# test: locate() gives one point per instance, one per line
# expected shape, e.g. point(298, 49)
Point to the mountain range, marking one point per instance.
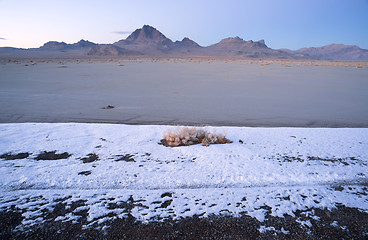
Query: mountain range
point(149, 42)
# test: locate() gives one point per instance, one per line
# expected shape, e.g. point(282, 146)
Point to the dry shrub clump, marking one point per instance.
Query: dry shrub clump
point(188, 136)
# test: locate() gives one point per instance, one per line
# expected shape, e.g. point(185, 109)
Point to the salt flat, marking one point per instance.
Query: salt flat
point(221, 93)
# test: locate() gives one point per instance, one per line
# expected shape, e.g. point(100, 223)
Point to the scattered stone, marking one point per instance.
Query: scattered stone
point(286, 198)
point(166, 204)
point(9, 156)
point(166, 194)
point(126, 158)
point(86, 173)
point(108, 107)
point(52, 155)
point(338, 188)
point(92, 157)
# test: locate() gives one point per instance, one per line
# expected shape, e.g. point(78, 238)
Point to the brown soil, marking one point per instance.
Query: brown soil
point(351, 224)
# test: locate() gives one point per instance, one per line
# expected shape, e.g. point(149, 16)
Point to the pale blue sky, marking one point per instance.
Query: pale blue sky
point(289, 24)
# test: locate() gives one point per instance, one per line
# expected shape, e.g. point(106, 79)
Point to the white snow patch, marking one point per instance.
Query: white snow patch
point(263, 229)
point(275, 171)
point(335, 224)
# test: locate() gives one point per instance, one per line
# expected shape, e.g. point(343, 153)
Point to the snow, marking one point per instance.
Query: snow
point(285, 169)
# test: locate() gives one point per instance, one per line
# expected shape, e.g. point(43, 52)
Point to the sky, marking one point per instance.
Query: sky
point(291, 24)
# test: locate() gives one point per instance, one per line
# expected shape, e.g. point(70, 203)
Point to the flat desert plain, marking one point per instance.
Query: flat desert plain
point(194, 92)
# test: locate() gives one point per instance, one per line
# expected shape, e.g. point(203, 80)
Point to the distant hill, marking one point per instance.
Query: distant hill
point(110, 50)
point(10, 50)
point(53, 45)
point(149, 42)
point(248, 49)
point(83, 44)
point(335, 52)
point(231, 43)
point(186, 43)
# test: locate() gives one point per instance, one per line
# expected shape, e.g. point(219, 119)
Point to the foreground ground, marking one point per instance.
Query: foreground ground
point(339, 223)
point(62, 181)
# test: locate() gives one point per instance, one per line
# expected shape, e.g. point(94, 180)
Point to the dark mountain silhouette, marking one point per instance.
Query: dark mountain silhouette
point(150, 42)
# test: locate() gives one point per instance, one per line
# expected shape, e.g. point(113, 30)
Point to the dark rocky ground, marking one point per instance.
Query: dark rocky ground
point(340, 223)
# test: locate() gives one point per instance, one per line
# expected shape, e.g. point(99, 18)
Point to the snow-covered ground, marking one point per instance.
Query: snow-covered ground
point(122, 170)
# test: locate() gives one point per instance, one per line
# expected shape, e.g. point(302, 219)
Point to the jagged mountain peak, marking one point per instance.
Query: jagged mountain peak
point(54, 45)
point(83, 43)
point(188, 43)
point(233, 39)
point(238, 42)
point(146, 34)
point(186, 39)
